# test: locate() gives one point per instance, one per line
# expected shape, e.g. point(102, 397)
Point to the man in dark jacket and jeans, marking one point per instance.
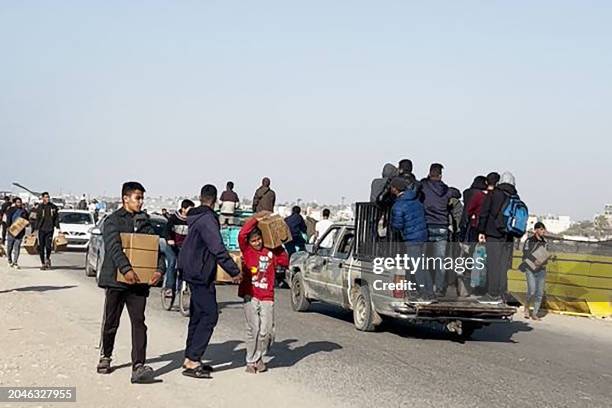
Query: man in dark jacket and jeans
point(128, 219)
point(498, 242)
point(47, 220)
point(202, 251)
point(436, 197)
point(264, 198)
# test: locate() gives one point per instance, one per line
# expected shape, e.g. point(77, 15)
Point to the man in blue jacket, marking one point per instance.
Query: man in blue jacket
point(202, 251)
point(408, 217)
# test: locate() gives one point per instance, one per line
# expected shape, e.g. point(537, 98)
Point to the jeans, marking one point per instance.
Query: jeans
point(438, 238)
point(260, 328)
point(535, 289)
point(170, 256)
point(13, 246)
point(421, 276)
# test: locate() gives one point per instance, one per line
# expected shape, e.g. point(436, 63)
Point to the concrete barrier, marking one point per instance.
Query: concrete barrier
point(576, 283)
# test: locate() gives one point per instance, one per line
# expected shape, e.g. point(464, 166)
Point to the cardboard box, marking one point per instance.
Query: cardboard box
point(541, 255)
point(2, 251)
point(60, 242)
point(142, 251)
point(274, 231)
point(224, 277)
point(18, 226)
point(30, 243)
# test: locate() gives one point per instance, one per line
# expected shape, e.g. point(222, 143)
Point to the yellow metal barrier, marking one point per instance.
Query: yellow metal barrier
point(575, 284)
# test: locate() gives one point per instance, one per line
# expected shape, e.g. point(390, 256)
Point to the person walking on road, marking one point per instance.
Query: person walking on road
point(297, 227)
point(13, 243)
point(202, 251)
point(536, 277)
point(128, 219)
point(47, 220)
point(257, 290)
point(264, 198)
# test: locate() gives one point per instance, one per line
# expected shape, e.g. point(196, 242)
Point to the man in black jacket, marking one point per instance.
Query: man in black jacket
point(128, 219)
point(491, 230)
point(47, 220)
point(202, 251)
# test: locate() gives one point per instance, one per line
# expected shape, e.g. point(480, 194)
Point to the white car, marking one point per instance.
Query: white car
point(76, 226)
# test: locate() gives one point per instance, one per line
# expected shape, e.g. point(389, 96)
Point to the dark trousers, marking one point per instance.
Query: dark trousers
point(45, 245)
point(293, 247)
point(499, 260)
point(202, 321)
point(136, 301)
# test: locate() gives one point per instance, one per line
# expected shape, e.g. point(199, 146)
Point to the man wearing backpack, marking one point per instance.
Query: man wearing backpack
point(502, 218)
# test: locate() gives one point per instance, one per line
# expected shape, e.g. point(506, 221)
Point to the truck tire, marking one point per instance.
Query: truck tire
point(299, 302)
point(363, 314)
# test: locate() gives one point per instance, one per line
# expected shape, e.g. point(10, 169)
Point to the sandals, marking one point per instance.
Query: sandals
point(199, 372)
point(104, 366)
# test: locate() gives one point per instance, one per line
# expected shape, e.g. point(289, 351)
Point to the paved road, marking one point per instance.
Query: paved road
point(320, 359)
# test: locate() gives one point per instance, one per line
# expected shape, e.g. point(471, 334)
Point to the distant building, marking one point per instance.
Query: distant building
point(608, 213)
point(555, 224)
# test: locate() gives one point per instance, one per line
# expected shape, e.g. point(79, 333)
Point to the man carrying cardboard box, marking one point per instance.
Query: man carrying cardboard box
point(202, 251)
point(17, 221)
point(128, 224)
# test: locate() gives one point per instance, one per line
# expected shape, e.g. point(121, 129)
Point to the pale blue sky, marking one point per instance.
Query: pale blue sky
point(317, 95)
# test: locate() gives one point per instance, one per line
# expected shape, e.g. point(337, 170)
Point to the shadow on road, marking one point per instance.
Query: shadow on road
point(226, 356)
point(43, 288)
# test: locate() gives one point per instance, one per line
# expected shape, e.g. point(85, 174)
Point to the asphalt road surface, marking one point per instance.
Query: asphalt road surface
point(319, 358)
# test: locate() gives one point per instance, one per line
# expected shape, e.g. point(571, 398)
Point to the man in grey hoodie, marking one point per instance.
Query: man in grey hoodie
point(379, 191)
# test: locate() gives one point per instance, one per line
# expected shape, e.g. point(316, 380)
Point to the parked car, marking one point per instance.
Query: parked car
point(95, 252)
point(342, 274)
point(75, 225)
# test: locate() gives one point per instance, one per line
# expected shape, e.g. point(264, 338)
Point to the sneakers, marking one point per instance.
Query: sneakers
point(251, 369)
point(15, 266)
point(142, 374)
point(490, 300)
point(104, 366)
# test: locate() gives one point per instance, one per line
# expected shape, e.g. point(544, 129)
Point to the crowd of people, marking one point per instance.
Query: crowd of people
point(427, 214)
point(431, 218)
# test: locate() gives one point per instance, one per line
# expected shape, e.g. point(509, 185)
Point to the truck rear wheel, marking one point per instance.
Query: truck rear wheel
point(299, 302)
point(363, 314)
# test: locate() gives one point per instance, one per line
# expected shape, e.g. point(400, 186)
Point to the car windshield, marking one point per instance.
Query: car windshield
point(75, 218)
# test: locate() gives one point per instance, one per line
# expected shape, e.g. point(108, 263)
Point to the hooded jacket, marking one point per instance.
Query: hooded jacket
point(468, 194)
point(264, 199)
point(491, 219)
point(379, 190)
point(436, 197)
point(203, 249)
point(114, 257)
point(408, 217)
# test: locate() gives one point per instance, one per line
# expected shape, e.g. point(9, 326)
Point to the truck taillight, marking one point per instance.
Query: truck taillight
point(398, 293)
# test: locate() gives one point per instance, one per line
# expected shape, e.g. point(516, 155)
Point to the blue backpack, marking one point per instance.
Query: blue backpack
point(516, 215)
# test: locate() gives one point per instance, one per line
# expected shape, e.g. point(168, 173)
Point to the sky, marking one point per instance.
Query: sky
point(317, 95)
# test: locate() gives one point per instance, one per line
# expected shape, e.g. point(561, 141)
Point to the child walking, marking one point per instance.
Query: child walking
point(257, 289)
